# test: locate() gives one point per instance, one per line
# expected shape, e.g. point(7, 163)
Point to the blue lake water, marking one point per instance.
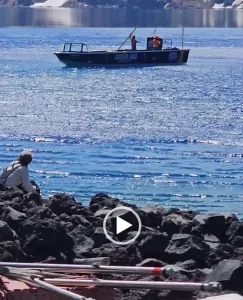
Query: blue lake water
point(171, 135)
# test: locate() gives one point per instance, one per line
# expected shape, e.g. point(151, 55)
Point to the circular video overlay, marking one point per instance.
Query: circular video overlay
point(125, 224)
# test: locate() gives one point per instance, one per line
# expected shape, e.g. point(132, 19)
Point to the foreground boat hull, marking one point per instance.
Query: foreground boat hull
point(123, 58)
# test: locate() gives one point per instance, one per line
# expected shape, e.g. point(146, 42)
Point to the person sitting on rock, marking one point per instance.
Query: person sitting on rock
point(17, 174)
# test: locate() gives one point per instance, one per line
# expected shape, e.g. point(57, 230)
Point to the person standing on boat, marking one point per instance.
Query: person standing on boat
point(134, 43)
point(157, 42)
point(17, 174)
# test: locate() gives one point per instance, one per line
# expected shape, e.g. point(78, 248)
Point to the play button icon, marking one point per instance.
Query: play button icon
point(122, 225)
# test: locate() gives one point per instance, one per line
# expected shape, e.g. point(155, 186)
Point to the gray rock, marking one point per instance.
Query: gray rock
point(175, 223)
point(187, 265)
point(184, 247)
point(6, 233)
point(153, 215)
point(215, 224)
point(119, 255)
point(154, 245)
point(103, 200)
point(62, 203)
point(151, 262)
point(13, 218)
point(237, 241)
point(101, 213)
point(99, 237)
point(229, 273)
point(211, 238)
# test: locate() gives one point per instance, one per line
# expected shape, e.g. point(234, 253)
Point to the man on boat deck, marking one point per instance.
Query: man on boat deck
point(134, 43)
point(17, 174)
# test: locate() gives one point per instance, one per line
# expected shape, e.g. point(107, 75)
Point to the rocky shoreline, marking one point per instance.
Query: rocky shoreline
point(60, 229)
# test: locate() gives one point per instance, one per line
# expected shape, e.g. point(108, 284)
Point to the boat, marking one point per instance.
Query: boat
point(77, 55)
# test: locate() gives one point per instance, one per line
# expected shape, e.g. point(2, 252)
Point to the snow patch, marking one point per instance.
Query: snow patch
point(50, 3)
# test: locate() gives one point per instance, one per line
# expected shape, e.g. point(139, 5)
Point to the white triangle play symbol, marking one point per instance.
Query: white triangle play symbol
point(121, 225)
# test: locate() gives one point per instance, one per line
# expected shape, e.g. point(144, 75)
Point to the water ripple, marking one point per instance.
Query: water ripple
point(165, 135)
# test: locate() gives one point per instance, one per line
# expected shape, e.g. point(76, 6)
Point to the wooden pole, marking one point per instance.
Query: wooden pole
point(127, 38)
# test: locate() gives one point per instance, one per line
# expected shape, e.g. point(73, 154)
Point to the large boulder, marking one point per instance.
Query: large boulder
point(79, 220)
point(10, 194)
point(13, 218)
point(153, 215)
point(13, 198)
point(42, 212)
point(119, 255)
point(5, 255)
point(6, 233)
point(229, 273)
point(237, 241)
point(13, 248)
point(154, 245)
point(235, 229)
point(218, 253)
point(175, 223)
point(189, 264)
point(102, 200)
point(45, 237)
point(32, 199)
point(83, 244)
point(62, 203)
point(215, 224)
point(184, 247)
point(99, 237)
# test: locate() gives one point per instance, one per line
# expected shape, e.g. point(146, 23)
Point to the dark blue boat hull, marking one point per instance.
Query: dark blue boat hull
point(123, 58)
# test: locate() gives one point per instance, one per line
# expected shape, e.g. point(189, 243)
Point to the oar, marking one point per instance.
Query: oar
point(127, 37)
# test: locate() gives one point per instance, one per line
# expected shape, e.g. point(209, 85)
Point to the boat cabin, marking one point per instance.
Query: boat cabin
point(151, 46)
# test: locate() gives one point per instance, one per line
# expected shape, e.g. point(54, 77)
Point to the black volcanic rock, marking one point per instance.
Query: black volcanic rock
point(215, 224)
point(103, 200)
point(151, 262)
point(235, 229)
point(99, 237)
point(229, 273)
point(6, 233)
point(183, 247)
point(13, 218)
point(62, 203)
point(153, 215)
point(119, 255)
point(41, 238)
point(61, 229)
point(175, 223)
point(154, 245)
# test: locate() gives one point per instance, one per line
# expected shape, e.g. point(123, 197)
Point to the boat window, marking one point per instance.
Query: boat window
point(66, 47)
point(167, 43)
point(76, 48)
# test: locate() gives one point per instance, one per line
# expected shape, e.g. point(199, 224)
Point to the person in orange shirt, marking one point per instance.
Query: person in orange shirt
point(134, 43)
point(157, 42)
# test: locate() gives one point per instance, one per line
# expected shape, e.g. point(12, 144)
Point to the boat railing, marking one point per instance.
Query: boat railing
point(75, 47)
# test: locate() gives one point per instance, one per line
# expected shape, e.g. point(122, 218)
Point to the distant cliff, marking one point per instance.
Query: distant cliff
point(143, 4)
